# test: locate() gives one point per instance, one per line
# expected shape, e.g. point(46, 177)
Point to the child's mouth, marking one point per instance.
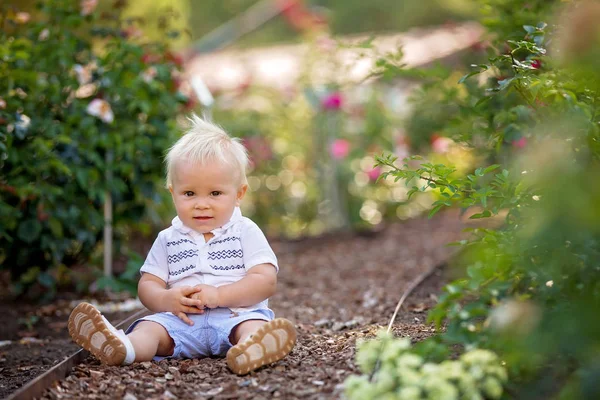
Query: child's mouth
point(202, 218)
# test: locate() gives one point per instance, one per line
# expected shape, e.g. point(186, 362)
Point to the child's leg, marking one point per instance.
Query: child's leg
point(93, 332)
point(89, 329)
point(245, 329)
point(259, 343)
point(150, 339)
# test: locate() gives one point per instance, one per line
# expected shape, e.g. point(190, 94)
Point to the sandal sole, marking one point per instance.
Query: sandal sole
point(88, 329)
point(241, 361)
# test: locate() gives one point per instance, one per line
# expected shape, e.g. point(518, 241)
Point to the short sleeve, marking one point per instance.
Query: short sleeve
point(255, 247)
point(156, 260)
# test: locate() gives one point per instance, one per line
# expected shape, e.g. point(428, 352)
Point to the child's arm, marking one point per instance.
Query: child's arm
point(259, 284)
point(156, 297)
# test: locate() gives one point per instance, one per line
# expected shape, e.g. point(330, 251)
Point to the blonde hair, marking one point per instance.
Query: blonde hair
point(206, 142)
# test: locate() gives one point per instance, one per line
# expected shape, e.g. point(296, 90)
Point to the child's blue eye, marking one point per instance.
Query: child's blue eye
point(215, 193)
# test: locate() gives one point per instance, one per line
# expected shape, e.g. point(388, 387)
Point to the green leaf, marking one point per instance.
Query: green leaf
point(491, 168)
point(434, 210)
point(29, 230)
point(484, 214)
point(55, 227)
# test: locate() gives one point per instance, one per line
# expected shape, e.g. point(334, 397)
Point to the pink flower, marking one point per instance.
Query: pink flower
point(332, 101)
point(101, 109)
point(88, 6)
point(339, 149)
point(258, 148)
point(149, 74)
point(519, 144)
point(22, 17)
point(440, 144)
point(374, 173)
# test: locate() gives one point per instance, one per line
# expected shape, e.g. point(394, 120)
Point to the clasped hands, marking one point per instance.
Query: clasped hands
point(190, 300)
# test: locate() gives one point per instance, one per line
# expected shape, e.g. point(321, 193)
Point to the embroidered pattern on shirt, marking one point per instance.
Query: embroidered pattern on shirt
point(227, 268)
point(182, 270)
point(223, 254)
point(180, 241)
point(227, 239)
point(182, 255)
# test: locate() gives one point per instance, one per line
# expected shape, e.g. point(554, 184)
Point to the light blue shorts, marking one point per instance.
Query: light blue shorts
point(209, 336)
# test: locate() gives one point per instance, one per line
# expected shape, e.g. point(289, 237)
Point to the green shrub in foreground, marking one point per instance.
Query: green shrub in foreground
point(403, 374)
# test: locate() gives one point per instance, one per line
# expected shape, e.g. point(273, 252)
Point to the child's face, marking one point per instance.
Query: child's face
point(205, 195)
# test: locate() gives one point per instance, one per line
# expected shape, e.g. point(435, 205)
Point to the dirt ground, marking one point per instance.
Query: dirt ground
point(334, 290)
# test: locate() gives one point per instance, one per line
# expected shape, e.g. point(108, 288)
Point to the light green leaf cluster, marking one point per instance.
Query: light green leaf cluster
point(393, 371)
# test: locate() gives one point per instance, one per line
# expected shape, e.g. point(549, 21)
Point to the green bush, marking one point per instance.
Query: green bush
point(531, 288)
point(85, 108)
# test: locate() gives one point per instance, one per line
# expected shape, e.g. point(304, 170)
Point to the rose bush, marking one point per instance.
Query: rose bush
point(84, 110)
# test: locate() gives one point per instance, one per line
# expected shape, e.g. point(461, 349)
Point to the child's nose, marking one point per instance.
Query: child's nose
point(201, 204)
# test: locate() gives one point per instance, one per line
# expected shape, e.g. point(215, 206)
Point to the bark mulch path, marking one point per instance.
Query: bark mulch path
point(335, 290)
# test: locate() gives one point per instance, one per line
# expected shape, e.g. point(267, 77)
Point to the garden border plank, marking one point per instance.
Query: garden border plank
point(37, 386)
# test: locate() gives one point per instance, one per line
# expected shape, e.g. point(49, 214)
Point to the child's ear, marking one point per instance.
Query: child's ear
point(241, 193)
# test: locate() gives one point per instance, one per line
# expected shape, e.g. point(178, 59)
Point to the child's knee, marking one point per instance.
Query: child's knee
point(151, 329)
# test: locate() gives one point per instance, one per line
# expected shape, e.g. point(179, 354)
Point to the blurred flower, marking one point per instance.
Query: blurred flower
point(2, 104)
point(339, 149)
point(41, 214)
point(101, 109)
point(332, 101)
point(258, 148)
point(19, 92)
point(519, 144)
point(175, 58)
point(480, 46)
point(537, 64)
point(441, 144)
point(84, 74)
point(244, 85)
point(85, 91)
point(402, 148)
point(550, 283)
point(88, 6)
point(44, 34)
point(374, 173)
point(149, 74)
point(132, 32)
point(150, 58)
point(288, 93)
point(23, 123)
point(191, 103)
point(514, 316)
point(325, 43)
point(22, 17)
point(300, 17)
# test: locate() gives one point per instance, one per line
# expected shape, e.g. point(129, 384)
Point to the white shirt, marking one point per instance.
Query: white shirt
point(181, 257)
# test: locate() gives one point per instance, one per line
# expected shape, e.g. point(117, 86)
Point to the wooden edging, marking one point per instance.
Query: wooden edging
point(36, 387)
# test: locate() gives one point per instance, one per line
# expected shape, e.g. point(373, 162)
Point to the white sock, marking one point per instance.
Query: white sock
point(130, 355)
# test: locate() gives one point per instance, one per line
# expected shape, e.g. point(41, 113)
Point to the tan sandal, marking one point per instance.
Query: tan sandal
point(89, 329)
point(270, 343)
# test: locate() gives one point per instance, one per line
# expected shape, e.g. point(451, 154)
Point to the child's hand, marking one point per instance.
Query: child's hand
point(207, 295)
point(178, 301)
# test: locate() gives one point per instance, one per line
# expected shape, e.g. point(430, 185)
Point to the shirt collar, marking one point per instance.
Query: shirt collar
point(236, 216)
